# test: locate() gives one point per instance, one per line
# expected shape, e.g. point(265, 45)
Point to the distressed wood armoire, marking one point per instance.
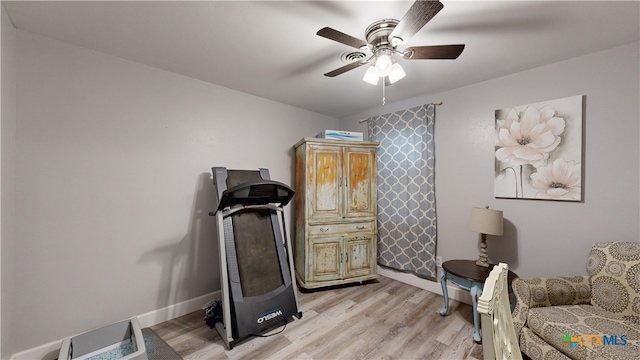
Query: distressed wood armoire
point(336, 231)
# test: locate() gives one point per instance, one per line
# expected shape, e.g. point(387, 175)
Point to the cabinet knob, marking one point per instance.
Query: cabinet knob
point(360, 227)
point(324, 229)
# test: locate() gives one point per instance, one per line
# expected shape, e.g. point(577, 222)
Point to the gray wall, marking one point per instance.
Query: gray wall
point(113, 184)
point(7, 182)
point(541, 237)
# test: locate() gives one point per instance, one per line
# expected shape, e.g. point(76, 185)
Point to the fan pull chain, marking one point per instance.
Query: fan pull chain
point(384, 99)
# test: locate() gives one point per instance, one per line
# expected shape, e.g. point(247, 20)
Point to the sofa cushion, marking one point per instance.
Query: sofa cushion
point(536, 348)
point(595, 334)
point(614, 275)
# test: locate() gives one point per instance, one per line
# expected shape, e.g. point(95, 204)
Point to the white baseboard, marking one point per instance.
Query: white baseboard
point(453, 292)
point(171, 312)
point(51, 350)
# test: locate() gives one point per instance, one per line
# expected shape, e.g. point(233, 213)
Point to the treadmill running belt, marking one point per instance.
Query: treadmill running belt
point(256, 251)
point(253, 233)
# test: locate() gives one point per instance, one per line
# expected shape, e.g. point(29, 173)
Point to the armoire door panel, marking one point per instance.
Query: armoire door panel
point(326, 259)
point(360, 174)
point(325, 175)
point(359, 256)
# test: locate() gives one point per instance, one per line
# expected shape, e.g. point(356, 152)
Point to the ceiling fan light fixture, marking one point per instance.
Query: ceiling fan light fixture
point(382, 39)
point(383, 65)
point(371, 76)
point(396, 73)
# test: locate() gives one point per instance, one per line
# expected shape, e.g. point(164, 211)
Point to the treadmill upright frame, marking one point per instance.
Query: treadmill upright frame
point(224, 227)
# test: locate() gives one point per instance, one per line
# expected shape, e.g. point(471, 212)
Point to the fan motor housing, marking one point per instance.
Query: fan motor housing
point(377, 34)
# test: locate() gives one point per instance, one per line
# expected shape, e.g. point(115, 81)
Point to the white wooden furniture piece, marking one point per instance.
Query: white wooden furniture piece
point(336, 209)
point(498, 334)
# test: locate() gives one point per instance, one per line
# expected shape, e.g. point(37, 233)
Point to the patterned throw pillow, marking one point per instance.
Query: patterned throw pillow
point(614, 274)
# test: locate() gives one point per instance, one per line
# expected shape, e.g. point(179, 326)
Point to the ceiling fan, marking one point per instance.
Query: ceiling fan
point(384, 37)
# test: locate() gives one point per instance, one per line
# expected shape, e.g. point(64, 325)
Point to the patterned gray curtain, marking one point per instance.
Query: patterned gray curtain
point(406, 193)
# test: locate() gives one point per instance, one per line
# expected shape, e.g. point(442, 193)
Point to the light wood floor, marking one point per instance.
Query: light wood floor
point(384, 319)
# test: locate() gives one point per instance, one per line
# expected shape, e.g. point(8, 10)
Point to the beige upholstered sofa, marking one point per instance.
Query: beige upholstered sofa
point(596, 316)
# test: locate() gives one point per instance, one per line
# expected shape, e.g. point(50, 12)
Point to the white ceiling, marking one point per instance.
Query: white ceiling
point(270, 48)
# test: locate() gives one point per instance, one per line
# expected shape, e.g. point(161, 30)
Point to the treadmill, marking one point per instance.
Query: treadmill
point(256, 259)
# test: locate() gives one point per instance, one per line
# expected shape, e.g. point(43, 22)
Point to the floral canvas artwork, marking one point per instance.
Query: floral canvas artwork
point(538, 150)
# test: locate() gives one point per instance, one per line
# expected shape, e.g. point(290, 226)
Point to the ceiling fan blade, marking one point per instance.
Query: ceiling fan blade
point(417, 17)
point(344, 69)
point(341, 37)
point(433, 52)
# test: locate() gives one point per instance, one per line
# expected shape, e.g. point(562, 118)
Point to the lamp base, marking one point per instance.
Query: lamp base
point(483, 260)
point(479, 262)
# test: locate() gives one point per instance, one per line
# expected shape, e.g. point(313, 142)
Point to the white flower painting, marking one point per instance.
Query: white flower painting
point(538, 151)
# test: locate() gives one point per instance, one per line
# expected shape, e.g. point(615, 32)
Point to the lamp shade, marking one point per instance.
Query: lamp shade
point(370, 76)
point(396, 73)
point(486, 221)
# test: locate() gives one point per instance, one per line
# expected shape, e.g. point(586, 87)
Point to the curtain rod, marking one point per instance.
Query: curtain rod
point(436, 103)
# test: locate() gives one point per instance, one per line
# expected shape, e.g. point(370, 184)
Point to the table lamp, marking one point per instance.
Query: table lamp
point(485, 221)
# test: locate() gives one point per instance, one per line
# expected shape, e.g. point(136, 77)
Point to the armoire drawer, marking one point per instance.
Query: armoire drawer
point(336, 229)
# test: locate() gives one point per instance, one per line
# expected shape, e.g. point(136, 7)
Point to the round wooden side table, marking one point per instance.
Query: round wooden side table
point(469, 276)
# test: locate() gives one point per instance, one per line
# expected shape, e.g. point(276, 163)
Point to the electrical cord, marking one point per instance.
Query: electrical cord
point(264, 336)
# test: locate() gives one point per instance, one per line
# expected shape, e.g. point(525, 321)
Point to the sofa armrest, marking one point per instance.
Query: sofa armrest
point(549, 291)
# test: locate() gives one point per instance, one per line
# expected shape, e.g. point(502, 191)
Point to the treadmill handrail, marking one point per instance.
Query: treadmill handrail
point(260, 192)
point(231, 211)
